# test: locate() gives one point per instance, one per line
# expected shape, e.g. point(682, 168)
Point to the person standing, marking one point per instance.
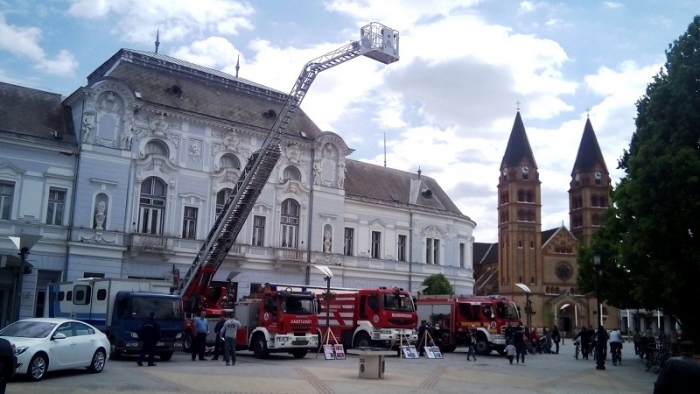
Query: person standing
point(511, 351)
point(218, 342)
point(520, 340)
point(149, 336)
point(556, 337)
point(679, 375)
point(471, 342)
point(201, 325)
point(228, 334)
point(421, 336)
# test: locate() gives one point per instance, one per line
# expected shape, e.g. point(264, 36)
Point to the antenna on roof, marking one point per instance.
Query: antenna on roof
point(157, 39)
point(238, 67)
point(385, 149)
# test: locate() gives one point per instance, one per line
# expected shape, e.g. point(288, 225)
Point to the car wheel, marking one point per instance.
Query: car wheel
point(166, 356)
point(98, 361)
point(37, 367)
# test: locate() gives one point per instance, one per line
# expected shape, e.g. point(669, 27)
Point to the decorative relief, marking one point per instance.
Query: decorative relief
point(125, 139)
point(175, 139)
point(88, 125)
point(231, 141)
point(110, 103)
point(293, 153)
point(318, 173)
point(159, 126)
point(97, 237)
point(195, 149)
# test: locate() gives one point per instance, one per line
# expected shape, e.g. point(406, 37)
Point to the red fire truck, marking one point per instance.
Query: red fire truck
point(454, 314)
point(361, 318)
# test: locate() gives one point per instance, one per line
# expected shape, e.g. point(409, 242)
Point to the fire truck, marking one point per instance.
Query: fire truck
point(377, 42)
point(361, 318)
point(455, 314)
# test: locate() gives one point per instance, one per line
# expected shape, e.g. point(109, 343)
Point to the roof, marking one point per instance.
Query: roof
point(518, 145)
point(36, 114)
point(485, 253)
point(383, 184)
point(589, 154)
point(547, 234)
point(168, 82)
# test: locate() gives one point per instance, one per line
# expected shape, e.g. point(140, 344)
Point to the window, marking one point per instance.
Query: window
point(376, 243)
point(64, 329)
point(461, 255)
point(348, 246)
point(93, 275)
point(152, 206)
point(82, 329)
point(69, 296)
point(221, 198)
point(291, 172)
point(189, 223)
point(432, 251)
point(155, 147)
point(258, 230)
point(229, 161)
point(82, 295)
point(520, 244)
point(290, 223)
point(54, 211)
point(402, 248)
point(7, 191)
point(61, 296)
point(101, 294)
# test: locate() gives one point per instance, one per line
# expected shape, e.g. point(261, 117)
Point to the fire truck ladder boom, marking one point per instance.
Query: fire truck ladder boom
point(377, 42)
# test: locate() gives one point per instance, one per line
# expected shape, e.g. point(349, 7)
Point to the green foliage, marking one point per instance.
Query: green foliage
point(649, 242)
point(549, 318)
point(437, 284)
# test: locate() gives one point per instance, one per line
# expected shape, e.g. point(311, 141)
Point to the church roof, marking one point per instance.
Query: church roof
point(547, 234)
point(589, 153)
point(395, 187)
point(168, 82)
point(485, 253)
point(36, 115)
point(518, 145)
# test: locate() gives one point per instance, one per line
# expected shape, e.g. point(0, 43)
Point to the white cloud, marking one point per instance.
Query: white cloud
point(176, 19)
point(24, 41)
point(526, 6)
point(611, 4)
point(213, 52)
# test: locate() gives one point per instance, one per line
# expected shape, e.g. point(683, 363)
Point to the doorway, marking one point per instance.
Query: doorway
point(44, 279)
point(5, 312)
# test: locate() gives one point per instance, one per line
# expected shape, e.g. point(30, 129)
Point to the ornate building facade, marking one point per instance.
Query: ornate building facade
point(161, 143)
point(545, 261)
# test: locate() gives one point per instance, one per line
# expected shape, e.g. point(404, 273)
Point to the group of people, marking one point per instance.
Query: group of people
point(521, 340)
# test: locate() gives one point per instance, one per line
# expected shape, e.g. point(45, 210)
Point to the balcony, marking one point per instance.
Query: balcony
point(150, 243)
point(290, 255)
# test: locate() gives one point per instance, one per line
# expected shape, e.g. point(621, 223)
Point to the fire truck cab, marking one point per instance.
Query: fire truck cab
point(281, 321)
point(491, 315)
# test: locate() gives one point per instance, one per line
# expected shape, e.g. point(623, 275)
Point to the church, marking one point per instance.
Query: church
point(544, 261)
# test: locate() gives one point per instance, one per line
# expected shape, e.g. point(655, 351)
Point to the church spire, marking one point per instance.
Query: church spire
point(157, 40)
point(238, 66)
point(518, 145)
point(589, 153)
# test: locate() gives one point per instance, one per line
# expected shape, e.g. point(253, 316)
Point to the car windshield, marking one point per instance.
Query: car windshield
point(298, 305)
point(507, 311)
point(164, 307)
point(398, 302)
point(28, 329)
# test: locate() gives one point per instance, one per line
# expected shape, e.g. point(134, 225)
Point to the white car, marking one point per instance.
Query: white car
point(51, 344)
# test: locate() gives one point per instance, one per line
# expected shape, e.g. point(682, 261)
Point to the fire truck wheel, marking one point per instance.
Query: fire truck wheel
point(260, 346)
point(482, 346)
point(449, 348)
point(300, 353)
point(362, 340)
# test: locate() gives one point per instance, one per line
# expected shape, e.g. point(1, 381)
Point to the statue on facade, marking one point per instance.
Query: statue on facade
point(126, 136)
point(100, 215)
point(318, 172)
point(88, 126)
point(341, 175)
point(327, 242)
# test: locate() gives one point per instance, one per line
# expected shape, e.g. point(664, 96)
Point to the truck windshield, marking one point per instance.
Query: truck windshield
point(164, 307)
point(506, 311)
point(398, 302)
point(298, 305)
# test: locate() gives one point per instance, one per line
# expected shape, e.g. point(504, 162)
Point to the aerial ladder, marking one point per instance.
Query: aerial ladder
point(378, 42)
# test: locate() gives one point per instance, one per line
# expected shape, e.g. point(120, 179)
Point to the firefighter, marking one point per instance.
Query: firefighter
point(149, 336)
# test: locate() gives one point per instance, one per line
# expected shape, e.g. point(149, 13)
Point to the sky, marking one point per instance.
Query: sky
point(446, 107)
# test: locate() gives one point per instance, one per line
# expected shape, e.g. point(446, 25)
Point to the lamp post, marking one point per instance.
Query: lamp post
point(600, 343)
point(24, 244)
point(528, 303)
point(327, 276)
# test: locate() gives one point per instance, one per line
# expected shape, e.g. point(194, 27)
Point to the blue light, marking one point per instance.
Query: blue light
point(303, 288)
point(273, 287)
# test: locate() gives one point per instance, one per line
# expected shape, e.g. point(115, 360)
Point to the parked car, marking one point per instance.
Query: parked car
point(8, 363)
point(52, 344)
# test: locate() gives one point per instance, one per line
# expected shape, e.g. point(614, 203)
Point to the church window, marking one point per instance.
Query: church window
point(522, 216)
point(520, 279)
point(532, 245)
point(595, 220)
point(530, 196)
point(532, 280)
point(504, 198)
point(520, 244)
point(594, 201)
point(530, 216)
point(604, 202)
point(521, 195)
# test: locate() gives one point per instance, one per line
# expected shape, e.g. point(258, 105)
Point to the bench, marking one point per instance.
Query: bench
point(371, 362)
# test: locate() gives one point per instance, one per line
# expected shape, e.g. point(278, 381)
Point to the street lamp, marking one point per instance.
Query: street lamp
point(600, 344)
point(327, 276)
point(528, 303)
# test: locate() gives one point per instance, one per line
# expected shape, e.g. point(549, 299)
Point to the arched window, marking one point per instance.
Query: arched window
point(521, 195)
point(504, 198)
point(229, 161)
point(530, 216)
point(594, 200)
point(221, 198)
point(152, 206)
point(290, 223)
point(530, 196)
point(155, 147)
point(291, 172)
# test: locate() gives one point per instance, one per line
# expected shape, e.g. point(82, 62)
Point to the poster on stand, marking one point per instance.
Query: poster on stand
point(429, 352)
point(339, 352)
point(436, 352)
point(328, 352)
point(409, 352)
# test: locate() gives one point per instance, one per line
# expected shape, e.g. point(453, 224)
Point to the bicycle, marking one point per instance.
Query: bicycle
point(616, 354)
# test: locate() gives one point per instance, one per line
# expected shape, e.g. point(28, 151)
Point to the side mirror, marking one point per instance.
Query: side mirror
point(58, 335)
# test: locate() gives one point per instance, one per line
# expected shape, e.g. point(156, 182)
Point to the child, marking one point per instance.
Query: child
point(510, 351)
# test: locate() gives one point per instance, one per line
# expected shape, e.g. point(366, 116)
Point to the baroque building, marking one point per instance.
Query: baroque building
point(161, 143)
point(545, 260)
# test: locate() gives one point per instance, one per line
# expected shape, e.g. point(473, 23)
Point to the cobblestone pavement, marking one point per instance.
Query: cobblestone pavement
point(549, 374)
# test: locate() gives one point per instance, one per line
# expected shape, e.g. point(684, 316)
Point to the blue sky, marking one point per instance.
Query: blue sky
point(447, 106)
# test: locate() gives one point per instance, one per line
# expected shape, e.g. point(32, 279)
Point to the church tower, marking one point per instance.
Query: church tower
point(589, 191)
point(519, 215)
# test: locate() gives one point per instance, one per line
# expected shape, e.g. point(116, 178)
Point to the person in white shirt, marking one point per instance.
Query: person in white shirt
point(228, 334)
point(615, 343)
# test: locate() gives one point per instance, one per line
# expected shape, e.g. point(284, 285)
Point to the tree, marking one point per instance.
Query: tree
point(437, 284)
point(652, 249)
